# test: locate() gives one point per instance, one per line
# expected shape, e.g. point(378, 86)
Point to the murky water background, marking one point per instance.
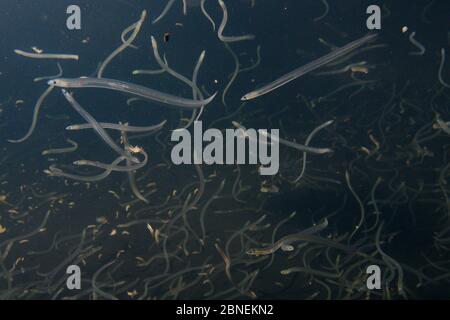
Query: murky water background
point(389, 163)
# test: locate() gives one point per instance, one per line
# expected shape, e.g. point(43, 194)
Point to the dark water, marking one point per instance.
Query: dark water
point(387, 175)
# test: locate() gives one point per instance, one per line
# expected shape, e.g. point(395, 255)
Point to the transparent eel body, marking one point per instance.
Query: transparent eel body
point(305, 235)
point(130, 88)
point(313, 65)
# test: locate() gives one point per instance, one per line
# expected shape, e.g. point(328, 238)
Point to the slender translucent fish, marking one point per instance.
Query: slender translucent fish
point(148, 71)
point(97, 128)
point(389, 260)
point(164, 12)
point(62, 150)
point(297, 146)
point(46, 55)
point(254, 64)
point(233, 75)
point(196, 95)
point(417, 44)
point(196, 92)
point(205, 13)
point(131, 100)
point(126, 32)
point(60, 72)
point(441, 67)
point(54, 171)
point(136, 27)
point(313, 65)
point(222, 26)
point(131, 174)
point(360, 203)
point(132, 89)
point(356, 52)
point(327, 9)
point(164, 65)
point(119, 127)
point(287, 143)
point(37, 108)
point(184, 7)
point(308, 140)
point(443, 125)
point(305, 235)
point(113, 167)
point(96, 291)
point(311, 271)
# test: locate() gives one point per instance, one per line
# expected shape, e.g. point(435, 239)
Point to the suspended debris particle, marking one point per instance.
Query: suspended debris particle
point(37, 50)
point(140, 259)
point(119, 253)
point(166, 37)
point(359, 69)
point(132, 294)
point(149, 227)
point(102, 220)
